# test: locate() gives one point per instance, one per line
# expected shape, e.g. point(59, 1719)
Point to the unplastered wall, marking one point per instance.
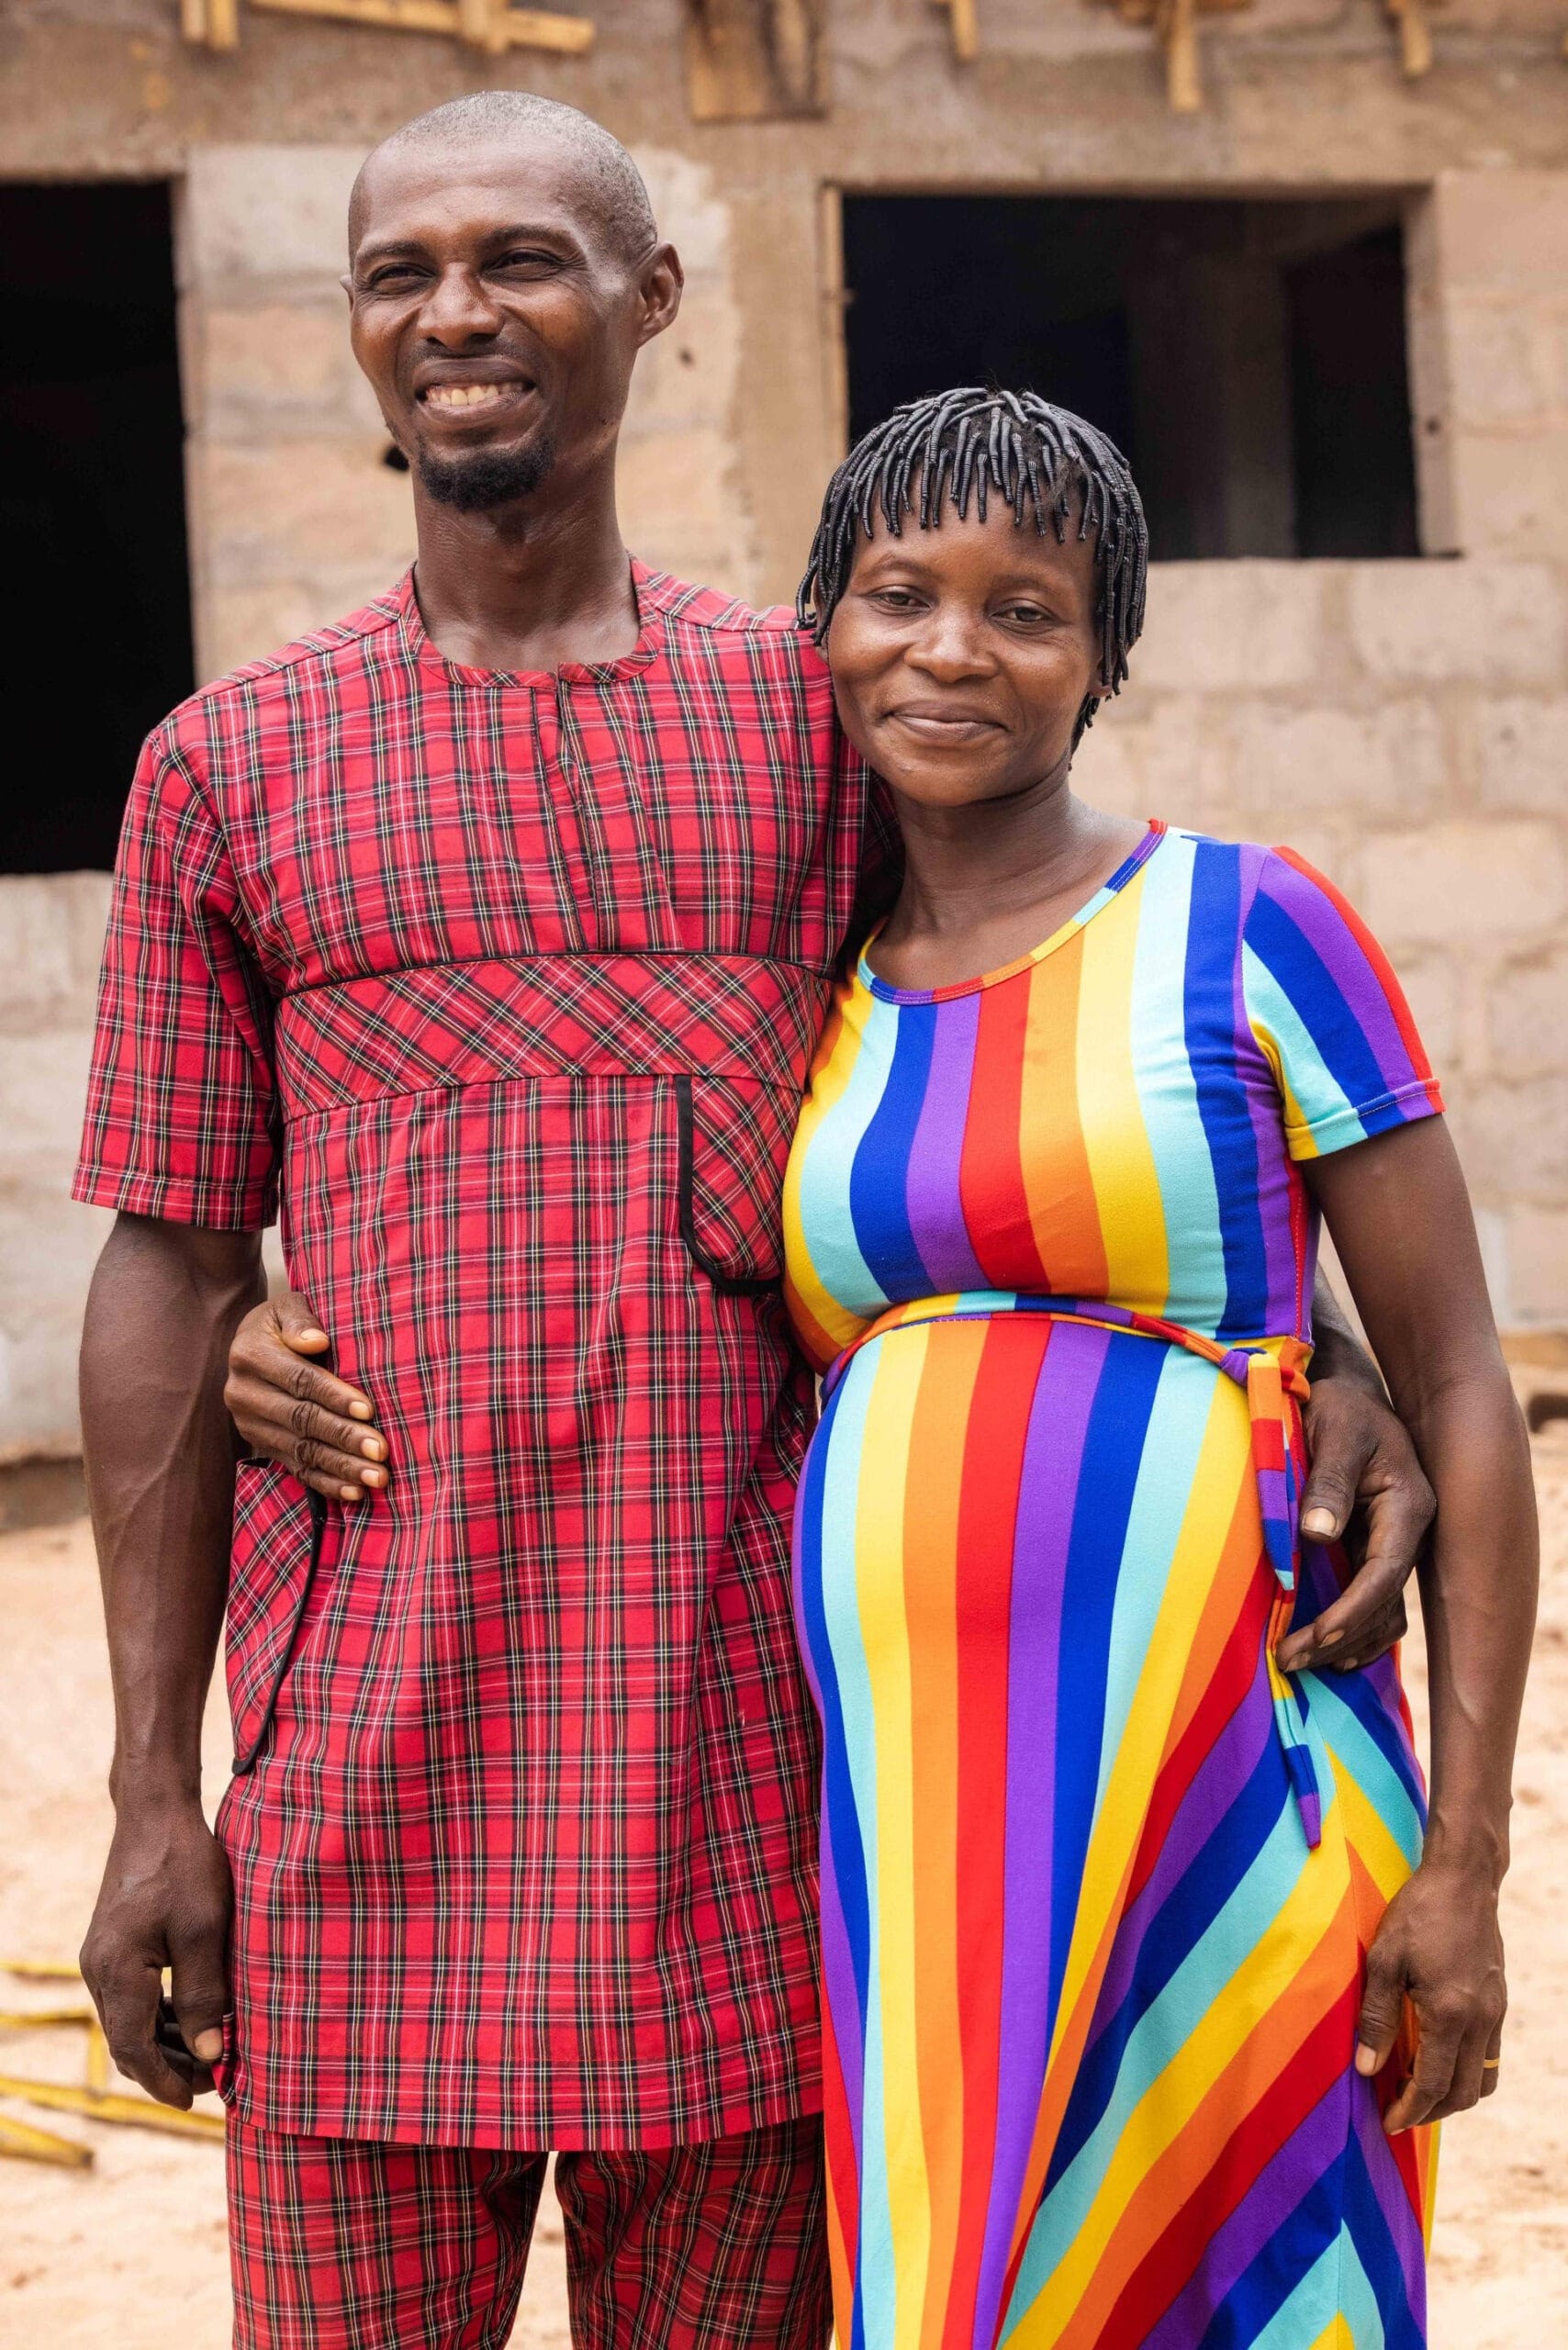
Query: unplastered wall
point(295, 517)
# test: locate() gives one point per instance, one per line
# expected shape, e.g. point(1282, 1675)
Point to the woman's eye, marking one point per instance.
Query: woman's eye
point(895, 599)
point(1028, 613)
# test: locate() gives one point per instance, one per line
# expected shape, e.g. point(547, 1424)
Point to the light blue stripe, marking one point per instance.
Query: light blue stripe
point(1359, 1758)
point(1358, 2300)
point(841, 1611)
point(1205, 1978)
point(826, 1222)
point(1167, 1098)
point(1319, 1094)
point(1302, 2317)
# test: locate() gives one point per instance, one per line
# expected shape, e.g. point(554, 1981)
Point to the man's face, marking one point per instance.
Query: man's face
point(497, 314)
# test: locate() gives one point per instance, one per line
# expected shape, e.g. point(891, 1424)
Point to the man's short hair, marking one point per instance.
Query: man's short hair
point(495, 118)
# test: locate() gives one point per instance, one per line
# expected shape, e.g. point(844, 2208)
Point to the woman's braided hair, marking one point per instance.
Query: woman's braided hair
point(977, 443)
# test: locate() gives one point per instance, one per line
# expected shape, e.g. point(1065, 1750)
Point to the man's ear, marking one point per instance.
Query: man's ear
point(346, 282)
point(662, 281)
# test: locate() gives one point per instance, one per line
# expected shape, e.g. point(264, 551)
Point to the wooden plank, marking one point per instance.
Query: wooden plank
point(754, 60)
point(964, 17)
point(24, 2144)
point(223, 23)
point(523, 27)
point(131, 2113)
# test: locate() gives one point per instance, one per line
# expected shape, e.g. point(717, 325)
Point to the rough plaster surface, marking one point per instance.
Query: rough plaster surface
point(1405, 724)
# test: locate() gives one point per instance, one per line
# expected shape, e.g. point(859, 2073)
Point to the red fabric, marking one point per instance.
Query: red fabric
point(511, 984)
point(342, 2245)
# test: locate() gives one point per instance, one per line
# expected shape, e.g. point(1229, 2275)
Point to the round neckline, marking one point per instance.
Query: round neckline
point(1096, 902)
point(650, 639)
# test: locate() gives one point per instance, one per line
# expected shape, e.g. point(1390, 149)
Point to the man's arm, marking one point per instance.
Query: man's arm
point(1365, 1484)
point(165, 1304)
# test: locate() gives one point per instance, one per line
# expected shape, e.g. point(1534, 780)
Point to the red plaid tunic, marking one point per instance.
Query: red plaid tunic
point(509, 984)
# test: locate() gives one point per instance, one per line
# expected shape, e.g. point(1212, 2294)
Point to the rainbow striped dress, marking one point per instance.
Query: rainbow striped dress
point(1097, 1882)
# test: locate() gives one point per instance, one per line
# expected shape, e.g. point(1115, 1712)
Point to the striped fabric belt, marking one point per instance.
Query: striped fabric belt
point(1271, 1373)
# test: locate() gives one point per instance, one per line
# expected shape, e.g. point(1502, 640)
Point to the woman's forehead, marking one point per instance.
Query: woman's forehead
point(956, 544)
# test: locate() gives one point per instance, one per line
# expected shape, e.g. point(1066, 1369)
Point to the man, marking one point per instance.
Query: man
point(493, 926)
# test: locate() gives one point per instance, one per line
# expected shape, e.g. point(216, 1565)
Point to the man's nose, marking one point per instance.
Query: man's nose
point(458, 309)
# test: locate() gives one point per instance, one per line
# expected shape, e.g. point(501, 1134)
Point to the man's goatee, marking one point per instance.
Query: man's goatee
point(487, 478)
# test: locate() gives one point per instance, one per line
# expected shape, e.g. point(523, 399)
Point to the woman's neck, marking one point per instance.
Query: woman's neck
point(985, 883)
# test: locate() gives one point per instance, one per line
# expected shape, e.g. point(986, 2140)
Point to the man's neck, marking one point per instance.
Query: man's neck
point(528, 586)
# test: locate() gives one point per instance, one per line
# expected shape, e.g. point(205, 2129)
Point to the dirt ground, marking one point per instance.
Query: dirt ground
point(131, 2254)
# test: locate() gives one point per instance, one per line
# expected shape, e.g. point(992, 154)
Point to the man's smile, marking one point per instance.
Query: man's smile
point(468, 399)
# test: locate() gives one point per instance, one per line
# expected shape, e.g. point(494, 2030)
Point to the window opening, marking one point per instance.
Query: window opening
point(1247, 354)
point(92, 502)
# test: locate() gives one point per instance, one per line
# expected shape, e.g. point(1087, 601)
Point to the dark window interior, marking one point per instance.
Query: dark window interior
point(92, 504)
point(1248, 356)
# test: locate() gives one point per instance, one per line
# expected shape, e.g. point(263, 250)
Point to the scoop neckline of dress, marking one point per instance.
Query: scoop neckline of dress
point(1097, 900)
point(645, 582)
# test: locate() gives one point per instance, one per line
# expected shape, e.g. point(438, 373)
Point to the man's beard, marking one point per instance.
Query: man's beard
point(487, 478)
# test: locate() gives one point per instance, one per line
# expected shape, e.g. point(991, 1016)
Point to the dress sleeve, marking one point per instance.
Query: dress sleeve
point(181, 1103)
point(1324, 1007)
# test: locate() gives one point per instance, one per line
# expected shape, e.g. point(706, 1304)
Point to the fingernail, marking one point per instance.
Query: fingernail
point(373, 1449)
point(1318, 1523)
point(1366, 2060)
point(359, 1409)
point(351, 1492)
point(209, 2046)
point(376, 1477)
point(1331, 1639)
point(312, 1337)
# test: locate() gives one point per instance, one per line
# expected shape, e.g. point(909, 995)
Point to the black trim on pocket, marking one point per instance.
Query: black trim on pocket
point(243, 1764)
point(725, 1284)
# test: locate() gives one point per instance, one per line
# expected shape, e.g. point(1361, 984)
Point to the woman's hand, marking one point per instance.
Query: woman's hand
point(1440, 1947)
point(290, 1410)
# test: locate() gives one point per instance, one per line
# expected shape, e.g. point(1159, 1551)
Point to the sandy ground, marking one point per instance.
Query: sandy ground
point(130, 2255)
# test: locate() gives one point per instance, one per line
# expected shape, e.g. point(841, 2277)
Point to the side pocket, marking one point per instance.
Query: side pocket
point(728, 1237)
point(279, 1527)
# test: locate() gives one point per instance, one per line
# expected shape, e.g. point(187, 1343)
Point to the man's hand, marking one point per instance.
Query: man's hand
point(1364, 1484)
point(291, 1411)
point(165, 1902)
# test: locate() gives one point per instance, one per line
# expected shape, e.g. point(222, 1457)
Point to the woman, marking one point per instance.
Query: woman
point(1104, 1890)
point(1120, 1917)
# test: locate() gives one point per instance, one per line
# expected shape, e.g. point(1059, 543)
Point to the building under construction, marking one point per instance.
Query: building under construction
point(1308, 260)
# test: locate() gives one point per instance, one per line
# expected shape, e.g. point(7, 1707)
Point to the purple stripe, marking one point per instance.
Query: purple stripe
point(1263, 1108)
point(932, 1197)
point(1403, 2228)
point(1216, 1784)
point(1306, 2156)
point(1053, 1455)
point(1344, 960)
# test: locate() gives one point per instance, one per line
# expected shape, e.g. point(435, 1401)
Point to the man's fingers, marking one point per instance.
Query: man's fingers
point(1491, 2064)
point(127, 2009)
point(1367, 1619)
point(1468, 2085)
point(297, 1326)
point(198, 1992)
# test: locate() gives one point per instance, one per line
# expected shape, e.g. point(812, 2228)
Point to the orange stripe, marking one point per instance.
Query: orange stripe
point(937, 1431)
point(1056, 1179)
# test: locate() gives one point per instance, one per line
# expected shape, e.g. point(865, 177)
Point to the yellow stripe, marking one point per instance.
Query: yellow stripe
point(829, 1078)
point(1367, 1833)
point(1121, 1164)
point(884, 1632)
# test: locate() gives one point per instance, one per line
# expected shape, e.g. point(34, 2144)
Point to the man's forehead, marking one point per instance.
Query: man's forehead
point(408, 191)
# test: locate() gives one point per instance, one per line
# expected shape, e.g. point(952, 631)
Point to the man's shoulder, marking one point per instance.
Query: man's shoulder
point(339, 646)
point(708, 612)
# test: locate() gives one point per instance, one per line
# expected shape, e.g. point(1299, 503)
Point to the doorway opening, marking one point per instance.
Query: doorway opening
point(1247, 356)
point(93, 507)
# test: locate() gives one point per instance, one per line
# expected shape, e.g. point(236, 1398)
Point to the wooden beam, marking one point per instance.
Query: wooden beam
point(21, 2140)
point(964, 18)
point(754, 60)
point(137, 2112)
point(1414, 38)
point(487, 25)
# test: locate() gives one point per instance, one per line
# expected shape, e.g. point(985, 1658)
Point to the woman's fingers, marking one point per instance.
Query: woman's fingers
point(297, 1326)
point(1468, 2085)
point(1365, 1622)
point(293, 1411)
point(1437, 2056)
point(1382, 2007)
point(1491, 2064)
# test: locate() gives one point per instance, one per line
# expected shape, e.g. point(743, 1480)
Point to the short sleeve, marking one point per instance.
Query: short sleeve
point(180, 1118)
point(1325, 1007)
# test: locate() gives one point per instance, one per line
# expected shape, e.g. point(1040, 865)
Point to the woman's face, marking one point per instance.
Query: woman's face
point(961, 657)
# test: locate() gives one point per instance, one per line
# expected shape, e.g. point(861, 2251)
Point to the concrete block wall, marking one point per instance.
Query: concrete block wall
point(51, 929)
point(1404, 725)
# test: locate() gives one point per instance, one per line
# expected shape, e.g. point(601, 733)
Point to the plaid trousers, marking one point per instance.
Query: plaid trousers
point(341, 2244)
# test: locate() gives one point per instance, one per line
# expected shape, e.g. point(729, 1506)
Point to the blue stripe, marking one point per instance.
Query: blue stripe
point(1319, 1002)
point(1210, 1011)
point(878, 1198)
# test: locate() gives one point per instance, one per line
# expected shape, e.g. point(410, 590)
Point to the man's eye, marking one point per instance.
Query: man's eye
point(387, 281)
point(524, 258)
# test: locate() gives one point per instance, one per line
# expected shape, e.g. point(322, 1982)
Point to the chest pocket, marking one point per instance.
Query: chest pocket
point(733, 1144)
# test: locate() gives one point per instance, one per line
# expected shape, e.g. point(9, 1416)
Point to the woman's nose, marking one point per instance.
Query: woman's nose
point(952, 647)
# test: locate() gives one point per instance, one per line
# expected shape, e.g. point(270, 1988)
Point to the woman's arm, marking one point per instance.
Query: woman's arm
point(1401, 1220)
